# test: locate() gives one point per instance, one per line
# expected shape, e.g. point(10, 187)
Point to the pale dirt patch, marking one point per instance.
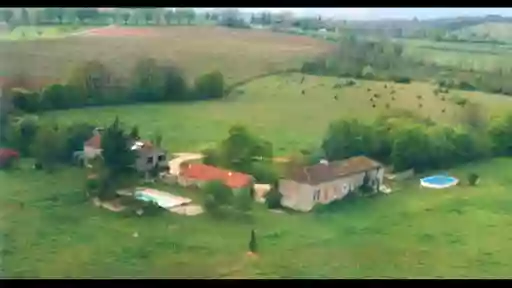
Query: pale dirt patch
point(174, 164)
point(188, 210)
point(114, 205)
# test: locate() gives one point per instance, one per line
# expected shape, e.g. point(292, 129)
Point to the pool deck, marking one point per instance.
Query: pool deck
point(164, 199)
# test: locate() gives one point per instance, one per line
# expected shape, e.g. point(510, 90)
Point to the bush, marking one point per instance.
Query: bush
point(151, 209)
point(25, 100)
point(56, 97)
point(243, 201)
point(463, 85)
point(273, 199)
point(316, 67)
point(473, 179)
point(210, 205)
point(459, 101)
point(222, 194)
point(401, 79)
point(209, 86)
point(263, 172)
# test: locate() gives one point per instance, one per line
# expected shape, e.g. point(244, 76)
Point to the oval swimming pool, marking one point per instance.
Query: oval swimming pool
point(439, 181)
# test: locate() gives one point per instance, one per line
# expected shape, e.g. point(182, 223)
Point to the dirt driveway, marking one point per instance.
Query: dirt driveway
point(174, 164)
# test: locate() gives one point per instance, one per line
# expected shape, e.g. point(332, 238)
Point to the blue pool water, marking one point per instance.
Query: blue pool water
point(439, 181)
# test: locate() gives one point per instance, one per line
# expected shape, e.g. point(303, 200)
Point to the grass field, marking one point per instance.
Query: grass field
point(21, 33)
point(413, 232)
point(476, 56)
point(239, 54)
point(274, 108)
point(490, 30)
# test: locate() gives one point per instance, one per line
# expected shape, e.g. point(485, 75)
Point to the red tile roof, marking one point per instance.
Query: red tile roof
point(8, 153)
point(209, 173)
point(327, 172)
point(94, 142)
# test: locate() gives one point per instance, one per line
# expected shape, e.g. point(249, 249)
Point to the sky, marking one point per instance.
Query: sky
point(386, 13)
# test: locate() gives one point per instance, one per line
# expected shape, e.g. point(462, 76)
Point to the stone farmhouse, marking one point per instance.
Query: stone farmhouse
point(325, 182)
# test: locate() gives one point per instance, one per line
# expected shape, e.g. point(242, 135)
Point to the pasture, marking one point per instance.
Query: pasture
point(462, 55)
point(275, 108)
point(489, 31)
point(411, 233)
point(238, 54)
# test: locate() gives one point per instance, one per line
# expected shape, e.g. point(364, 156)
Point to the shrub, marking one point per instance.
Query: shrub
point(243, 201)
point(25, 100)
point(253, 247)
point(209, 86)
point(151, 209)
point(273, 199)
point(263, 172)
point(401, 79)
point(210, 205)
point(463, 85)
point(350, 82)
point(473, 179)
point(222, 194)
point(458, 100)
point(56, 97)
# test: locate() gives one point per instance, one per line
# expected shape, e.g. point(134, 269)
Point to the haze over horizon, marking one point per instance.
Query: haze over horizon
point(387, 13)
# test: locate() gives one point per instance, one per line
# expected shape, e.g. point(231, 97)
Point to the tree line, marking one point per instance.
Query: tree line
point(383, 59)
point(407, 141)
point(94, 84)
point(94, 16)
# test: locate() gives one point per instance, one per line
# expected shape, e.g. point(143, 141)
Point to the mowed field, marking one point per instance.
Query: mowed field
point(238, 54)
point(411, 233)
point(275, 108)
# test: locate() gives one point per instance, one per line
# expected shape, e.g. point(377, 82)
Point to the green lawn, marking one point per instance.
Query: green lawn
point(413, 232)
point(274, 108)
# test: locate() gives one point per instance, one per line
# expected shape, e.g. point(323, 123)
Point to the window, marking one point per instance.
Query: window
point(161, 158)
point(149, 160)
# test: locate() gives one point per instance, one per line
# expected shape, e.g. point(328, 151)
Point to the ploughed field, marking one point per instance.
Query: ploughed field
point(238, 54)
